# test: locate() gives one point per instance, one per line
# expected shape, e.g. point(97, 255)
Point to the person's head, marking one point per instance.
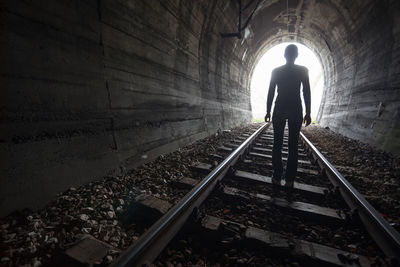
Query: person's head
point(291, 53)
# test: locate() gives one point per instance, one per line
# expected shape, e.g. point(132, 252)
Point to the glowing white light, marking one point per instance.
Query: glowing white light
point(274, 58)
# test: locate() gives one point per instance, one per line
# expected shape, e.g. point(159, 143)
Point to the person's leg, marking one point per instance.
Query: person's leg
point(294, 124)
point(278, 123)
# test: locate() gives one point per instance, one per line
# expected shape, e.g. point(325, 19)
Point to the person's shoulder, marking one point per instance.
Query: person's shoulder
point(278, 69)
point(302, 68)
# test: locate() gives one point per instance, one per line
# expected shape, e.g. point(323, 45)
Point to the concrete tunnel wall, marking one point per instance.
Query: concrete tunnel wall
point(358, 44)
point(89, 87)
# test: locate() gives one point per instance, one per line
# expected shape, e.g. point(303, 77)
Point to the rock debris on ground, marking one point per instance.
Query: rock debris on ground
point(98, 209)
point(236, 251)
point(373, 172)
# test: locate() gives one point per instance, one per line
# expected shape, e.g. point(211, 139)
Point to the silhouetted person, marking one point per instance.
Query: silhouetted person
point(288, 78)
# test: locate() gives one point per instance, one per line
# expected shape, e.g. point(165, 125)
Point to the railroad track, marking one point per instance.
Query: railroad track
point(327, 221)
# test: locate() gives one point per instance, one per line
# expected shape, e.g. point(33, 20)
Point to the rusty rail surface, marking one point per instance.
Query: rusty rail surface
point(153, 241)
point(387, 238)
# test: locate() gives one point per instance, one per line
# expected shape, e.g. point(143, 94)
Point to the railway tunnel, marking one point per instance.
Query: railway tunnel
point(95, 88)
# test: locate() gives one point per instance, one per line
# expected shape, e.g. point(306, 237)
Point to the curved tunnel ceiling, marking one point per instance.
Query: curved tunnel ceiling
point(317, 24)
point(356, 42)
point(320, 25)
point(96, 85)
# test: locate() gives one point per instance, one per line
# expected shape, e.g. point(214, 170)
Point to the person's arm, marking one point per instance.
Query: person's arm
point(271, 94)
point(307, 97)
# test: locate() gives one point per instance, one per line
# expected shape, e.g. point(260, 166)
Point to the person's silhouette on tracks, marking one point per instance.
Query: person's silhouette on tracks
point(288, 79)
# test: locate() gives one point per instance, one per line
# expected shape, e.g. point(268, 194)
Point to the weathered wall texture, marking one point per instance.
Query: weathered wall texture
point(358, 43)
point(92, 86)
point(364, 102)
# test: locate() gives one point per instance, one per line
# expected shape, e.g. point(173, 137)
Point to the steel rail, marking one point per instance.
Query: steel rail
point(154, 240)
point(387, 238)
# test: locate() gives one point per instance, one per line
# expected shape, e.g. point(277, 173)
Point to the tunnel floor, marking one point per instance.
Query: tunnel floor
point(373, 172)
point(101, 209)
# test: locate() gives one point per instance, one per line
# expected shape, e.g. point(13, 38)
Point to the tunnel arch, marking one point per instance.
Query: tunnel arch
point(345, 35)
point(325, 59)
point(271, 56)
point(312, 32)
point(96, 87)
point(349, 38)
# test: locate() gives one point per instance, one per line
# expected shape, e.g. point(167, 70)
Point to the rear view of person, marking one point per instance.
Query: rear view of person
point(288, 80)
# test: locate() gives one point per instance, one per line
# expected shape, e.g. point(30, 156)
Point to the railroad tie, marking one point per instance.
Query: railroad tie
point(186, 183)
point(269, 165)
point(202, 167)
point(231, 145)
point(301, 208)
point(270, 146)
point(293, 247)
point(88, 251)
point(284, 152)
point(299, 187)
point(225, 149)
point(206, 168)
point(149, 207)
point(260, 155)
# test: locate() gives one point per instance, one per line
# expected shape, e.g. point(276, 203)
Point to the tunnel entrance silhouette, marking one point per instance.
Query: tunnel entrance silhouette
point(273, 58)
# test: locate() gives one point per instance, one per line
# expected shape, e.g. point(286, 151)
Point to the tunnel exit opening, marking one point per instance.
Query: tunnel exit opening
point(274, 57)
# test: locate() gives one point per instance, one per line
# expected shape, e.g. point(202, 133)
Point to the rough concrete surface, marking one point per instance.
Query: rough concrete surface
point(91, 87)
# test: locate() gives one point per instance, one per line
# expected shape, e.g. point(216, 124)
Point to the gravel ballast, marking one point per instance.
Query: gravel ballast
point(373, 172)
point(35, 238)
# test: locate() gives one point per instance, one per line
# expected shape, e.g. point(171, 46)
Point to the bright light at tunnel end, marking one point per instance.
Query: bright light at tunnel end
point(274, 58)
